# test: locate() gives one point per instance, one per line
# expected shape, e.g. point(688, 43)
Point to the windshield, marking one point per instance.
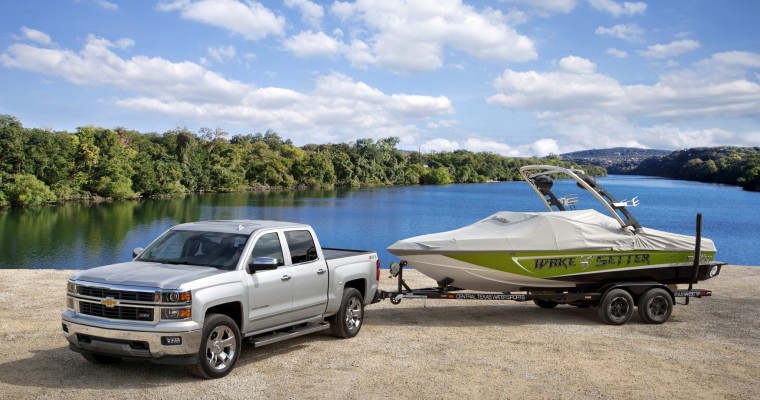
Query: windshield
point(212, 249)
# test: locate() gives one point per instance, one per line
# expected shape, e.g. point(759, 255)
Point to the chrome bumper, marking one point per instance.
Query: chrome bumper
point(134, 344)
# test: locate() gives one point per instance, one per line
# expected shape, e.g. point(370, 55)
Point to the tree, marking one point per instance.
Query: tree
point(25, 190)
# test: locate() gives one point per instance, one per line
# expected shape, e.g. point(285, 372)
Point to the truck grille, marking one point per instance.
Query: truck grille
point(124, 295)
point(118, 312)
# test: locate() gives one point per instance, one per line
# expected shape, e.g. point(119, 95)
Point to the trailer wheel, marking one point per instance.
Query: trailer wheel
point(220, 348)
point(655, 306)
point(347, 322)
point(545, 303)
point(616, 307)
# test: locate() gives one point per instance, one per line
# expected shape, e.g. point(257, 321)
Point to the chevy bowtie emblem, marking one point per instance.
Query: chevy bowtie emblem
point(109, 302)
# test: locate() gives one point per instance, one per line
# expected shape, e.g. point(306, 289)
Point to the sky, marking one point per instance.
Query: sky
point(514, 77)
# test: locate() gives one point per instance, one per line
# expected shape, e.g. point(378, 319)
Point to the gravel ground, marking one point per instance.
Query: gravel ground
point(420, 348)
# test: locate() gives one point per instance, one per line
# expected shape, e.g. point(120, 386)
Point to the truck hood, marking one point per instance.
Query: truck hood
point(147, 274)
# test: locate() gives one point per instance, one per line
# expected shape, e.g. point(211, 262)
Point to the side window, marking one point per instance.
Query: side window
point(301, 245)
point(268, 245)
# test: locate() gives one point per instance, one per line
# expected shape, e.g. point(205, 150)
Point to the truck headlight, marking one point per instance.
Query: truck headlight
point(176, 313)
point(71, 287)
point(176, 297)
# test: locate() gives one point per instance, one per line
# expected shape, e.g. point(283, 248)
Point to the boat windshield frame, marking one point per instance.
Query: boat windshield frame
point(616, 208)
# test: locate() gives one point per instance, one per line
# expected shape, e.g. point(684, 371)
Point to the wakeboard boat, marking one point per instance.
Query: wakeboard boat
point(558, 249)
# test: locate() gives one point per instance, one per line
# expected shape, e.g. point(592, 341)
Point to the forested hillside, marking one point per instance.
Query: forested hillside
point(731, 165)
point(40, 166)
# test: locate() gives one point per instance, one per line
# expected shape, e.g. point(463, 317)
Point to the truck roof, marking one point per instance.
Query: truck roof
point(241, 226)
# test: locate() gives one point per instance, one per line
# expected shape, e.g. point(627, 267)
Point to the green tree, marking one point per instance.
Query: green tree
point(25, 190)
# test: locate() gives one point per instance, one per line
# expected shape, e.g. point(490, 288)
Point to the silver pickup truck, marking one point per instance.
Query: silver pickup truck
point(194, 294)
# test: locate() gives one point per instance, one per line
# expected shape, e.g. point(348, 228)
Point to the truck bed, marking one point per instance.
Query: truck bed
point(334, 254)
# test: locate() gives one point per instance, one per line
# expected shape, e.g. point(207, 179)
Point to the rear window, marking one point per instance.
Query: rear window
point(301, 245)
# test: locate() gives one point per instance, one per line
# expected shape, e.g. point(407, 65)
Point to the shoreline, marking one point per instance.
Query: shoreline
point(426, 348)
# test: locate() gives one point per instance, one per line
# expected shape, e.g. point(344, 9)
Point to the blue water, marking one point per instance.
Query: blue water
point(77, 236)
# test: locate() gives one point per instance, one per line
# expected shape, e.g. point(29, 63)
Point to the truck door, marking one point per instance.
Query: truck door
point(269, 291)
point(310, 275)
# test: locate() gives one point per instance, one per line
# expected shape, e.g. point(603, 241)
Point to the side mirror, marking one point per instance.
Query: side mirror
point(262, 264)
point(137, 251)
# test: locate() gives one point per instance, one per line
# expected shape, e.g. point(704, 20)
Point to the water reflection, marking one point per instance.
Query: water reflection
point(77, 236)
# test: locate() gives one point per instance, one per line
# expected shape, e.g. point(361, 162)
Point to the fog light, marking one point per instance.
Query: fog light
point(65, 328)
point(171, 340)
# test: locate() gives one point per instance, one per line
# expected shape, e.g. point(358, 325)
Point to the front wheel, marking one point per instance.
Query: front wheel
point(220, 347)
point(348, 321)
point(616, 307)
point(655, 306)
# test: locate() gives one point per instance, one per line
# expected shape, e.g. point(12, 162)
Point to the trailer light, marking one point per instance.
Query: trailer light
point(176, 313)
point(171, 340)
point(377, 268)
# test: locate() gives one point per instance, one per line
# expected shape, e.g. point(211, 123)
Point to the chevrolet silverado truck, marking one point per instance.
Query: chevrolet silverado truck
point(198, 291)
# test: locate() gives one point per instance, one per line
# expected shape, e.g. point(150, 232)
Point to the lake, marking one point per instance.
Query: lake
point(79, 236)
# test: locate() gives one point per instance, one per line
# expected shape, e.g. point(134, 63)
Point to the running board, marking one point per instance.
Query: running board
point(296, 331)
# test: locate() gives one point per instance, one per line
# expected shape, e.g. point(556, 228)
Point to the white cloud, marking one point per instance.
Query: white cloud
point(627, 32)
point(616, 9)
point(595, 110)
point(222, 53)
point(411, 36)
point(617, 53)
point(311, 12)
point(250, 19)
point(107, 5)
point(310, 44)
point(672, 49)
point(337, 105)
point(439, 145)
point(35, 36)
point(577, 65)
point(546, 7)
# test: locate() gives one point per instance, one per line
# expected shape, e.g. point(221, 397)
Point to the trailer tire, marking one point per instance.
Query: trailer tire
point(348, 321)
point(545, 303)
point(616, 307)
point(220, 348)
point(655, 306)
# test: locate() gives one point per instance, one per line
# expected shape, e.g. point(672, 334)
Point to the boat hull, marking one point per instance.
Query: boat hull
point(516, 271)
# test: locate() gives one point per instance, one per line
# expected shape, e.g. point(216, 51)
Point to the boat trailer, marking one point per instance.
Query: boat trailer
point(615, 301)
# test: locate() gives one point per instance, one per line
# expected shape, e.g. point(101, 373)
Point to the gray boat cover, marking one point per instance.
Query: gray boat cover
point(580, 230)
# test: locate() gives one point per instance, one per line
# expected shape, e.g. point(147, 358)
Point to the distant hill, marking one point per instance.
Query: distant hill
point(617, 159)
point(724, 164)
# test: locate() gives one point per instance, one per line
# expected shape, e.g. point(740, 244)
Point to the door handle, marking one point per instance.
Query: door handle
point(321, 271)
point(285, 278)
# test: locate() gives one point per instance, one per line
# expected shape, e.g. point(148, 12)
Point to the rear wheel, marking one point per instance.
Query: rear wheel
point(545, 303)
point(616, 307)
point(348, 321)
point(100, 358)
point(655, 306)
point(220, 347)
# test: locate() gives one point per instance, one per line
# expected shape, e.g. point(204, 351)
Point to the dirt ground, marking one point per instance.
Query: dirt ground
point(419, 349)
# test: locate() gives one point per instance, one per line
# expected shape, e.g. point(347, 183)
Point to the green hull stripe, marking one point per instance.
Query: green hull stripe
point(553, 265)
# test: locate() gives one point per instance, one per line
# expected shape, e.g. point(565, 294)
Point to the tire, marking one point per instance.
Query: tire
point(101, 359)
point(348, 321)
point(220, 347)
point(616, 307)
point(655, 306)
point(545, 303)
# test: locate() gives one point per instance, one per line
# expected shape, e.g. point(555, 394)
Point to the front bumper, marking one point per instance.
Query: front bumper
point(133, 344)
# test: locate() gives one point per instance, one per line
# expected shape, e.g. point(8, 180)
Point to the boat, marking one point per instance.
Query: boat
point(564, 248)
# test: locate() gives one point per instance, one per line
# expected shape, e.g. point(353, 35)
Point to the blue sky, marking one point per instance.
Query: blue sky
point(515, 77)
